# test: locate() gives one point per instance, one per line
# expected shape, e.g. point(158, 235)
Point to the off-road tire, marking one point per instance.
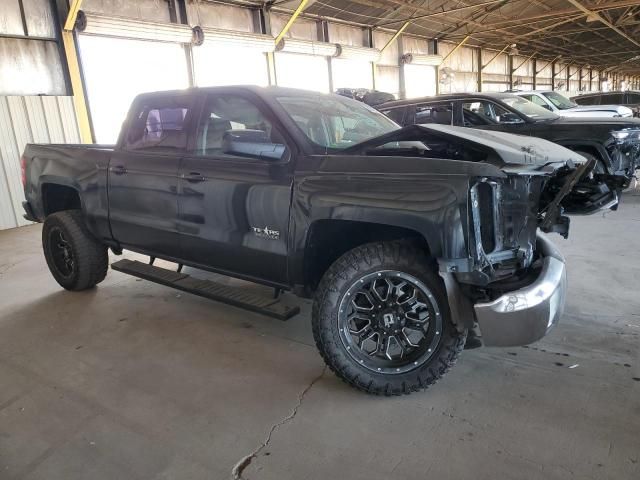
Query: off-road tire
point(90, 257)
point(400, 256)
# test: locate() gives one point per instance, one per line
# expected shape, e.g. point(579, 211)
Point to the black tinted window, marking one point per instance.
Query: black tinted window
point(611, 99)
point(159, 125)
point(633, 98)
point(586, 100)
point(442, 114)
point(395, 114)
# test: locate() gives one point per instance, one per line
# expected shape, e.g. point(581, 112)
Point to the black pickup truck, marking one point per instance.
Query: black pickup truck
point(409, 239)
point(613, 142)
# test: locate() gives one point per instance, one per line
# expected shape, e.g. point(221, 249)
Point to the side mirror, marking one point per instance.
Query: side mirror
point(510, 118)
point(252, 143)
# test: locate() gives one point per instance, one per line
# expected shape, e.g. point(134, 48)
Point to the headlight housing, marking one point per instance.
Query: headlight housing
point(626, 135)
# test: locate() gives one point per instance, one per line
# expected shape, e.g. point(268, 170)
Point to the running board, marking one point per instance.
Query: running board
point(235, 296)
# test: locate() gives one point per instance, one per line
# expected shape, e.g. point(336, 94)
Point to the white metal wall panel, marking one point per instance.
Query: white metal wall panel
point(391, 55)
point(30, 67)
point(28, 120)
point(220, 16)
point(346, 35)
point(302, 28)
point(68, 118)
point(52, 116)
point(10, 160)
point(415, 45)
point(35, 114)
point(150, 10)
point(39, 17)
point(10, 20)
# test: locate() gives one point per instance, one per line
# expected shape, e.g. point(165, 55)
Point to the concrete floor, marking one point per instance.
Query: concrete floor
point(137, 381)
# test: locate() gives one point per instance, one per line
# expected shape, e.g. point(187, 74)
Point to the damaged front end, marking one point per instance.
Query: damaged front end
point(508, 286)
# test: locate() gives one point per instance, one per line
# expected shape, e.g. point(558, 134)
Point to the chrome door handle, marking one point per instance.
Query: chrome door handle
point(119, 170)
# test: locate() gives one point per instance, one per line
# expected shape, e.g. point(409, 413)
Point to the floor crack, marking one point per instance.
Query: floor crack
point(245, 461)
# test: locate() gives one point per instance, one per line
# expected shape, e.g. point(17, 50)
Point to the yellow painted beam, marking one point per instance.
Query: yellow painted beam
point(455, 49)
point(395, 36)
point(494, 57)
point(524, 61)
point(79, 103)
point(74, 8)
point(286, 28)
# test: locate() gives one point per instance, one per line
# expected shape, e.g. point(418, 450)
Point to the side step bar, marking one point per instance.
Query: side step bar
point(235, 296)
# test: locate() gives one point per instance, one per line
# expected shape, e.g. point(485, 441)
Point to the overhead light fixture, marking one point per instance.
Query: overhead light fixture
point(422, 59)
point(307, 47)
point(365, 54)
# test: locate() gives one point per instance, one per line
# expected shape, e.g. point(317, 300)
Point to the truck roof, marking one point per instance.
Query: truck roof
point(269, 91)
point(444, 97)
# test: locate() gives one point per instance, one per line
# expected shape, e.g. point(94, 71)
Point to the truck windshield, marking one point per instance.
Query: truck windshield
point(335, 122)
point(529, 109)
point(560, 101)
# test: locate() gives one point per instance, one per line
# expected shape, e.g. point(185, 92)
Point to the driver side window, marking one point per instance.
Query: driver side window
point(489, 111)
point(233, 125)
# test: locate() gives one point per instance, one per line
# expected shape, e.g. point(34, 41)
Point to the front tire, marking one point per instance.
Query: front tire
point(75, 258)
point(599, 168)
point(381, 320)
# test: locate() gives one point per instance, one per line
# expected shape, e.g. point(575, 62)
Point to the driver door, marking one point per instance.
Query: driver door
point(235, 190)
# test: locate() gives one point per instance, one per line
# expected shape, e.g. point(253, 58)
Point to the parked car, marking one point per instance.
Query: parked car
point(613, 142)
point(408, 239)
point(561, 105)
point(366, 95)
point(629, 99)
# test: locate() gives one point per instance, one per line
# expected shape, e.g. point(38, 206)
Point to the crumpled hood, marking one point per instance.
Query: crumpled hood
point(517, 150)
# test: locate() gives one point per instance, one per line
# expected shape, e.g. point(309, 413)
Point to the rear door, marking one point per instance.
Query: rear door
point(143, 175)
point(235, 189)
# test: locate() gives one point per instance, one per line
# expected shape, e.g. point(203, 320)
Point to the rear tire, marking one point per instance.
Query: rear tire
point(428, 341)
point(75, 258)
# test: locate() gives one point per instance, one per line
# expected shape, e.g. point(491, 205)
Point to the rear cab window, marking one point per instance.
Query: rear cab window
point(159, 124)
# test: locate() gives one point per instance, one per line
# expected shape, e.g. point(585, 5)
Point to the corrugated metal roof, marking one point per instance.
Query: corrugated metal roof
point(546, 27)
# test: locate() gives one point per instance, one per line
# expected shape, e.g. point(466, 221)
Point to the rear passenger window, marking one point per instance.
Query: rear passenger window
point(633, 98)
point(395, 114)
point(159, 125)
point(442, 114)
point(611, 99)
point(586, 100)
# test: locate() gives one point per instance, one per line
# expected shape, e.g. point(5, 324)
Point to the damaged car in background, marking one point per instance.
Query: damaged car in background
point(614, 143)
point(410, 240)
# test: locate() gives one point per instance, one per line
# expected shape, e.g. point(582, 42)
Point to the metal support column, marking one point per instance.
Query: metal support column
point(479, 62)
point(535, 73)
point(75, 74)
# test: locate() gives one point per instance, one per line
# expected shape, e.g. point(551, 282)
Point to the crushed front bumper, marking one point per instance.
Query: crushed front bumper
point(523, 316)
